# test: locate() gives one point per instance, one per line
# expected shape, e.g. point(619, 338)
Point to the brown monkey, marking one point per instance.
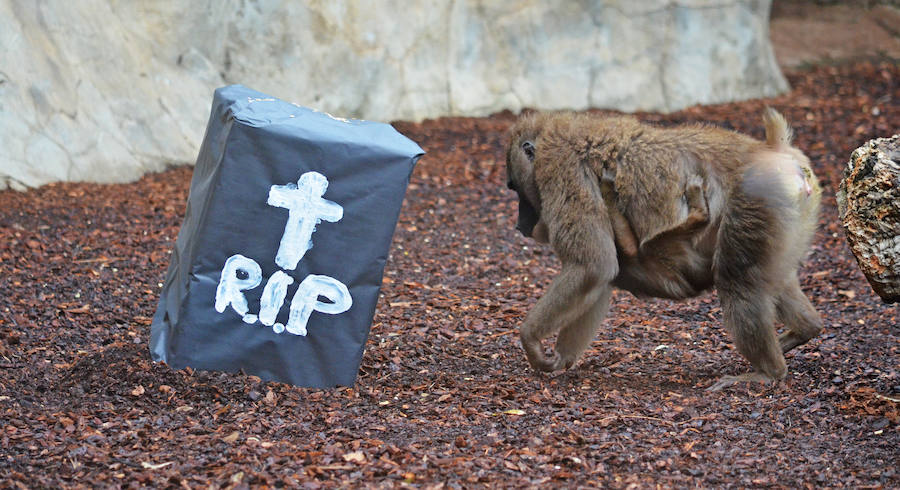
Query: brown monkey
point(666, 213)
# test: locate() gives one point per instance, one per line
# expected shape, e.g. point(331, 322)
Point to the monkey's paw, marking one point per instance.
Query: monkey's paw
point(549, 363)
point(726, 381)
point(545, 363)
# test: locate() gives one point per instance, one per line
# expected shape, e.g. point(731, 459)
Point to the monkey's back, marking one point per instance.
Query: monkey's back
point(651, 166)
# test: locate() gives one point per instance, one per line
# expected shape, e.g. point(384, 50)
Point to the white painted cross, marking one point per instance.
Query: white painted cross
point(306, 209)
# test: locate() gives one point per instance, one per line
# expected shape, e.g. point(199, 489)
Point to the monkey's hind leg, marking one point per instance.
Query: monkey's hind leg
point(698, 208)
point(751, 322)
point(752, 263)
point(801, 321)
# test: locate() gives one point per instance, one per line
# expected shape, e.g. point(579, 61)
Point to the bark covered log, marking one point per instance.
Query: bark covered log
point(869, 202)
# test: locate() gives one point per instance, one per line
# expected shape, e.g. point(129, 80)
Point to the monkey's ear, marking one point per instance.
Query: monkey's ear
point(574, 212)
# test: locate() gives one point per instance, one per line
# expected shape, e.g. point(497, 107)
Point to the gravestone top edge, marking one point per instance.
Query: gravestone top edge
point(259, 110)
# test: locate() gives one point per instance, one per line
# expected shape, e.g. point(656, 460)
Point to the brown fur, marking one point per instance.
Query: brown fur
point(666, 213)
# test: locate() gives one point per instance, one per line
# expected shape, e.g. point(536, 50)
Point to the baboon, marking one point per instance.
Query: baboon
point(670, 213)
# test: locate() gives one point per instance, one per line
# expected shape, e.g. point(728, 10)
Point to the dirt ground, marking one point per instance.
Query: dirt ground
point(444, 396)
point(804, 32)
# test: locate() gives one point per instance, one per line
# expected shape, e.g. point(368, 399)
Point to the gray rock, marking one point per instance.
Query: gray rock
point(869, 204)
point(105, 91)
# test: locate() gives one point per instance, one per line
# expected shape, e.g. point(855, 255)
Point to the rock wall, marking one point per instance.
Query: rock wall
point(104, 91)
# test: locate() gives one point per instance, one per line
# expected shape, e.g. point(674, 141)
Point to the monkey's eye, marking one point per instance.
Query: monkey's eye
point(528, 148)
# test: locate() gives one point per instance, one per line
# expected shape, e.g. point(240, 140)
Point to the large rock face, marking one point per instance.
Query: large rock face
point(104, 91)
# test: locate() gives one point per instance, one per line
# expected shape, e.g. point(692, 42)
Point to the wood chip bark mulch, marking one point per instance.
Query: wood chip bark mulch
point(444, 395)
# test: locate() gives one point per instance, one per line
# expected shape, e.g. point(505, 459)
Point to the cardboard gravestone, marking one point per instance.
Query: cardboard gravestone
point(278, 265)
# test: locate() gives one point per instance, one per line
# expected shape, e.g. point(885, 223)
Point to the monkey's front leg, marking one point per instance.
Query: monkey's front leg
point(575, 337)
point(574, 306)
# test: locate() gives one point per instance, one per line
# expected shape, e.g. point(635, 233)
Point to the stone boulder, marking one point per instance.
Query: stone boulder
point(104, 91)
point(869, 203)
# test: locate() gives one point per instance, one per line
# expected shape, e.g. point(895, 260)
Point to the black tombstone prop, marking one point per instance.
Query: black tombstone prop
point(279, 261)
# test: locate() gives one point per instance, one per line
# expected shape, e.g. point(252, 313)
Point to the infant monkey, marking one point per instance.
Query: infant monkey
point(627, 243)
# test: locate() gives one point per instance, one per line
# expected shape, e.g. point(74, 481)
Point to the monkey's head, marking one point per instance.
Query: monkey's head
point(520, 156)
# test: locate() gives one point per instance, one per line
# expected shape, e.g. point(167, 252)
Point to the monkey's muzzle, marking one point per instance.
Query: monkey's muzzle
point(528, 217)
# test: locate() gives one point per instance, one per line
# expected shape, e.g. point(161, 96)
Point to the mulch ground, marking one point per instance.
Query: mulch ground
point(444, 395)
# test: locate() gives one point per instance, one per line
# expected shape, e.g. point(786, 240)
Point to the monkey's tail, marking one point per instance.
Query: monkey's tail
point(778, 131)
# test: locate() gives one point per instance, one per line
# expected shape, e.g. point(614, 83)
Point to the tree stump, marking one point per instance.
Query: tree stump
point(869, 204)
